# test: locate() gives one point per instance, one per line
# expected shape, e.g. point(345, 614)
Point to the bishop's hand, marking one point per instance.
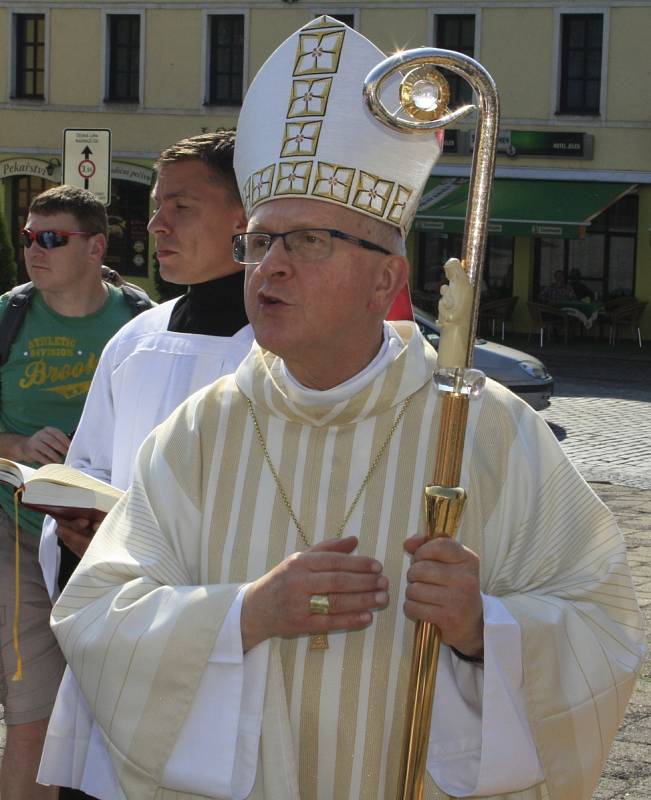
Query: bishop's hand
point(443, 588)
point(278, 603)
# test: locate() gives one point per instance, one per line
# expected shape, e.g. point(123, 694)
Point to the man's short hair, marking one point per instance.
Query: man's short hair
point(82, 204)
point(213, 149)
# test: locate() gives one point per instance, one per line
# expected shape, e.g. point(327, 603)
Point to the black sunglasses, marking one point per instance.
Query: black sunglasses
point(48, 240)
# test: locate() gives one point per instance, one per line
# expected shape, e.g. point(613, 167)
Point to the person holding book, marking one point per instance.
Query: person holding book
point(156, 362)
point(153, 364)
point(71, 314)
point(240, 626)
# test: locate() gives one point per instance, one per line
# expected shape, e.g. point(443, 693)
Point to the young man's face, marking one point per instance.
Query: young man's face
point(68, 266)
point(193, 223)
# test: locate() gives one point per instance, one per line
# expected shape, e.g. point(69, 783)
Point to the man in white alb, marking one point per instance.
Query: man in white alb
point(241, 625)
point(152, 366)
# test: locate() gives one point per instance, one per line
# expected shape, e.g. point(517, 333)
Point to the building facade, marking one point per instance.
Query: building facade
point(573, 178)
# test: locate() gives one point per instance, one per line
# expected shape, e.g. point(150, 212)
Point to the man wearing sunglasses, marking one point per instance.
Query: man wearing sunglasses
point(43, 384)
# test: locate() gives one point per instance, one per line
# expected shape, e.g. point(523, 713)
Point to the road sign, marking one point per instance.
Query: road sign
point(87, 160)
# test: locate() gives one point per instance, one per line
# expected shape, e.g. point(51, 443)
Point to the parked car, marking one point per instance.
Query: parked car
point(518, 371)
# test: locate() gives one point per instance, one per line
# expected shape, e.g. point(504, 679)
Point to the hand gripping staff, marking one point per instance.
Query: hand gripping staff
point(424, 96)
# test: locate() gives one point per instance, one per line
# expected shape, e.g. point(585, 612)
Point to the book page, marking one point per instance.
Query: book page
point(13, 473)
point(65, 491)
point(63, 475)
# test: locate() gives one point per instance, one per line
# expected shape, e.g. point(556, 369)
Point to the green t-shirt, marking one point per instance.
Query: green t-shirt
point(47, 376)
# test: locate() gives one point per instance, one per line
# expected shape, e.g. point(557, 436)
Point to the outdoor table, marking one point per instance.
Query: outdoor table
point(585, 312)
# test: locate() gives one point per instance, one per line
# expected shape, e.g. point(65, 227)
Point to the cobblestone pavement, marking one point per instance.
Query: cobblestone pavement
point(601, 414)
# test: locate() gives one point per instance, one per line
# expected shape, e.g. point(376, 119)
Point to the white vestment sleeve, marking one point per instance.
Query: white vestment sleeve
point(216, 753)
point(75, 754)
point(49, 556)
point(480, 739)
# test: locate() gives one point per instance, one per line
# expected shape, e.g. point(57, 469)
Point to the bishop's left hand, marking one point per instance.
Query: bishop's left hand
point(443, 588)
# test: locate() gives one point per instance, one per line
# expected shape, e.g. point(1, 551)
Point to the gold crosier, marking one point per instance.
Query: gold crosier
point(319, 641)
point(423, 107)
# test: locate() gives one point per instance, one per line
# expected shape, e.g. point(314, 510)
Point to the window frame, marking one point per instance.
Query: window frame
point(209, 105)
point(336, 12)
point(609, 232)
point(557, 76)
point(106, 60)
point(13, 53)
point(456, 11)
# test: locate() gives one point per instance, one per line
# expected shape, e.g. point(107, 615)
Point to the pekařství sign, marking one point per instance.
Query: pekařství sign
point(38, 167)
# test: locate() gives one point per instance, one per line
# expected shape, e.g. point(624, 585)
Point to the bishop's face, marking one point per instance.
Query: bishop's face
point(324, 318)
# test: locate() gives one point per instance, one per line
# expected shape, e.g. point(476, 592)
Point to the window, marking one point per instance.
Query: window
point(604, 260)
point(457, 32)
point(124, 58)
point(30, 55)
point(24, 189)
point(434, 249)
point(226, 59)
point(127, 249)
point(581, 48)
point(347, 19)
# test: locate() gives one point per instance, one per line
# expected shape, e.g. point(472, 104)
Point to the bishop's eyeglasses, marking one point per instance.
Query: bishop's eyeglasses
point(308, 244)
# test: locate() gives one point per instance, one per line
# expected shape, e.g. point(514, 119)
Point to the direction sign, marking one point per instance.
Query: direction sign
point(87, 160)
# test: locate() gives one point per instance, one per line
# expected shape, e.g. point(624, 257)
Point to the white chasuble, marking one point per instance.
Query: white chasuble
point(139, 618)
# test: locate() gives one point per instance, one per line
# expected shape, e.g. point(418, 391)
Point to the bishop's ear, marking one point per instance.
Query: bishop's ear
point(392, 277)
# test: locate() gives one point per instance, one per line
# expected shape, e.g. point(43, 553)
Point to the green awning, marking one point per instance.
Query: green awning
point(520, 207)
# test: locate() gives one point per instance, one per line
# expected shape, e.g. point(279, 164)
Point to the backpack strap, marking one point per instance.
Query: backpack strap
point(137, 299)
point(19, 299)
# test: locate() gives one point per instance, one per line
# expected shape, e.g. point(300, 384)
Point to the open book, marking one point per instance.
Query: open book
point(60, 490)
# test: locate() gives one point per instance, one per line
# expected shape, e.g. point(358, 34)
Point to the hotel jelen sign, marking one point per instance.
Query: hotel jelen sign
point(546, 144)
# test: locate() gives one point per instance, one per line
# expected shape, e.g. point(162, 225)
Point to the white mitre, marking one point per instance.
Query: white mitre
point(305, 130)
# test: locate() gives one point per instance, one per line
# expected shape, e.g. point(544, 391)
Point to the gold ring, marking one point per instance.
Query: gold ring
point(319, 604)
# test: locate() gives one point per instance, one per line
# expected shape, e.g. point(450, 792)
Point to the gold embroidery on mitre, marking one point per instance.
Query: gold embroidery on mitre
point(293, 177)
point(400, 201)
point(301, 138)
point(246, 195)
point(333, 182)
point(318, 52)
point(261, 184)
point(309, 97)
point(372, 193)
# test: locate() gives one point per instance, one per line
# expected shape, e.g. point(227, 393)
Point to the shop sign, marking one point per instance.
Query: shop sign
point(38, 167)
point(548, 144)
point(122, 170)
point(451, 141)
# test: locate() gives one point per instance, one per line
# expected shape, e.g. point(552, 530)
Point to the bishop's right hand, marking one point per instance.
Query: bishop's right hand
point(278, 603)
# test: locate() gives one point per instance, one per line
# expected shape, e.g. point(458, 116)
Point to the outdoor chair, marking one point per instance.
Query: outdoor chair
point(549, 319)
point(623, 315)
point(497, 311)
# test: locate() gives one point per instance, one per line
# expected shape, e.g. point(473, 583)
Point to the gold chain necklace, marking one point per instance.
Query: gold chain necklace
point(320, 641)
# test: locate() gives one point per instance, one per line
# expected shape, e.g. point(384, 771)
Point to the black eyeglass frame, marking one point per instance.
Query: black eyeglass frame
point(28, 237)
point(336, 234)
